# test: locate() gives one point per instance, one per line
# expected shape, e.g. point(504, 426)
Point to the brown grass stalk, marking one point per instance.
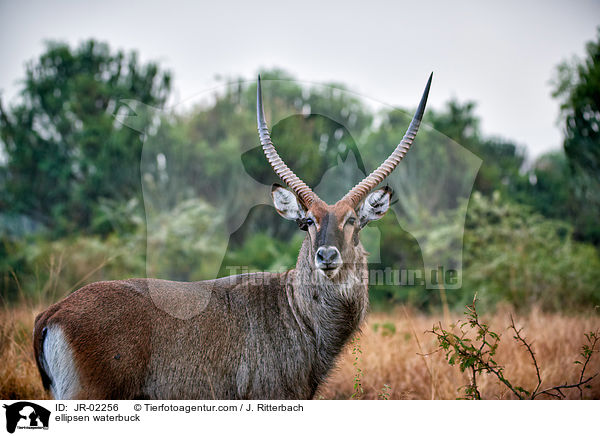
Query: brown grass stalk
point(401, 360)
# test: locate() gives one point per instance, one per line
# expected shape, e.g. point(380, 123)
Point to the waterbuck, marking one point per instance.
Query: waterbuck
point(251, 336)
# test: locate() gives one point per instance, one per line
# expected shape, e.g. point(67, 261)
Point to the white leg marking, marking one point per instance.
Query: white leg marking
point(59, 364)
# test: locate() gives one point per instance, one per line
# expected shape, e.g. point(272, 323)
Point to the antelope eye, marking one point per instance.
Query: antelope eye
point(309, 221)
point(351, 221)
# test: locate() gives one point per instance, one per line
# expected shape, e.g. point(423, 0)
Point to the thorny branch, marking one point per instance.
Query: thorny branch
point(522, 340)
point(586, 353)
point(480, 359)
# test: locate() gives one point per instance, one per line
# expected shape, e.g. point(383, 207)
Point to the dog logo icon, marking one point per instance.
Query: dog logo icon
point(26, 415)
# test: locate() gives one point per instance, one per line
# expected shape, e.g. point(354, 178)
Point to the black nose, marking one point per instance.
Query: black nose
point(328, 257)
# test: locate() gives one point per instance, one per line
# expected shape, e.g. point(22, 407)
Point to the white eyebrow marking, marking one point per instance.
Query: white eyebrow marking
point(348, 215)
point(311, 216)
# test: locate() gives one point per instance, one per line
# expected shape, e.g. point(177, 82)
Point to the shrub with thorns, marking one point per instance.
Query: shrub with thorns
point(476, 356)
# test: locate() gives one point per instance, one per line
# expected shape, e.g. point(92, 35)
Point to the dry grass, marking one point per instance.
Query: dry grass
point(386, 359)
point(19, 377)
point(397, 359)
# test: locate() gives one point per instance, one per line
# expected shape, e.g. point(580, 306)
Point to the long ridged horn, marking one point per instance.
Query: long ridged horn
point(281, 169)
point(360, 191)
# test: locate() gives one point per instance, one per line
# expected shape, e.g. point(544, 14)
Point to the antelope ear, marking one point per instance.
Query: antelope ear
point(374, 206)
point(287, 204)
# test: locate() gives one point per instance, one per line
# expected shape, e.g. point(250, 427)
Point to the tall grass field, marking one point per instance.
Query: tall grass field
point(394, 357)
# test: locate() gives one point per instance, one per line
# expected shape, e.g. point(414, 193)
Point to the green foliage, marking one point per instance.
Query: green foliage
point(502, 159)
point(577, 86)
point(387, 328)
point(184, 233)
point(548, 189)
point(474, 348)
point(358, 373)
point(385, 393)
point(476, 355)
point(514, 255)
point(68, 167)
point(261, 252)
point(48, 270)
point(64, 151)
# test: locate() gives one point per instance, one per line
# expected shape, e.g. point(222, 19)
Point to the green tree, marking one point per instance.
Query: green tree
point(65, 156)
point(548, 189)
point(213, 151)
point(502, 159)
point(515, 255)
point(577, 86)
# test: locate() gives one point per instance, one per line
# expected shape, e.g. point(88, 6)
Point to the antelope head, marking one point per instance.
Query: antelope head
point(333, 229)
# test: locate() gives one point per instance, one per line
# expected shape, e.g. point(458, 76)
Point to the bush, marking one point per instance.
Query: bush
point(514, 255)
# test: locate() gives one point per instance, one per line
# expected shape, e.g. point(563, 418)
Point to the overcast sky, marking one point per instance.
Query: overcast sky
point(501, 54)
